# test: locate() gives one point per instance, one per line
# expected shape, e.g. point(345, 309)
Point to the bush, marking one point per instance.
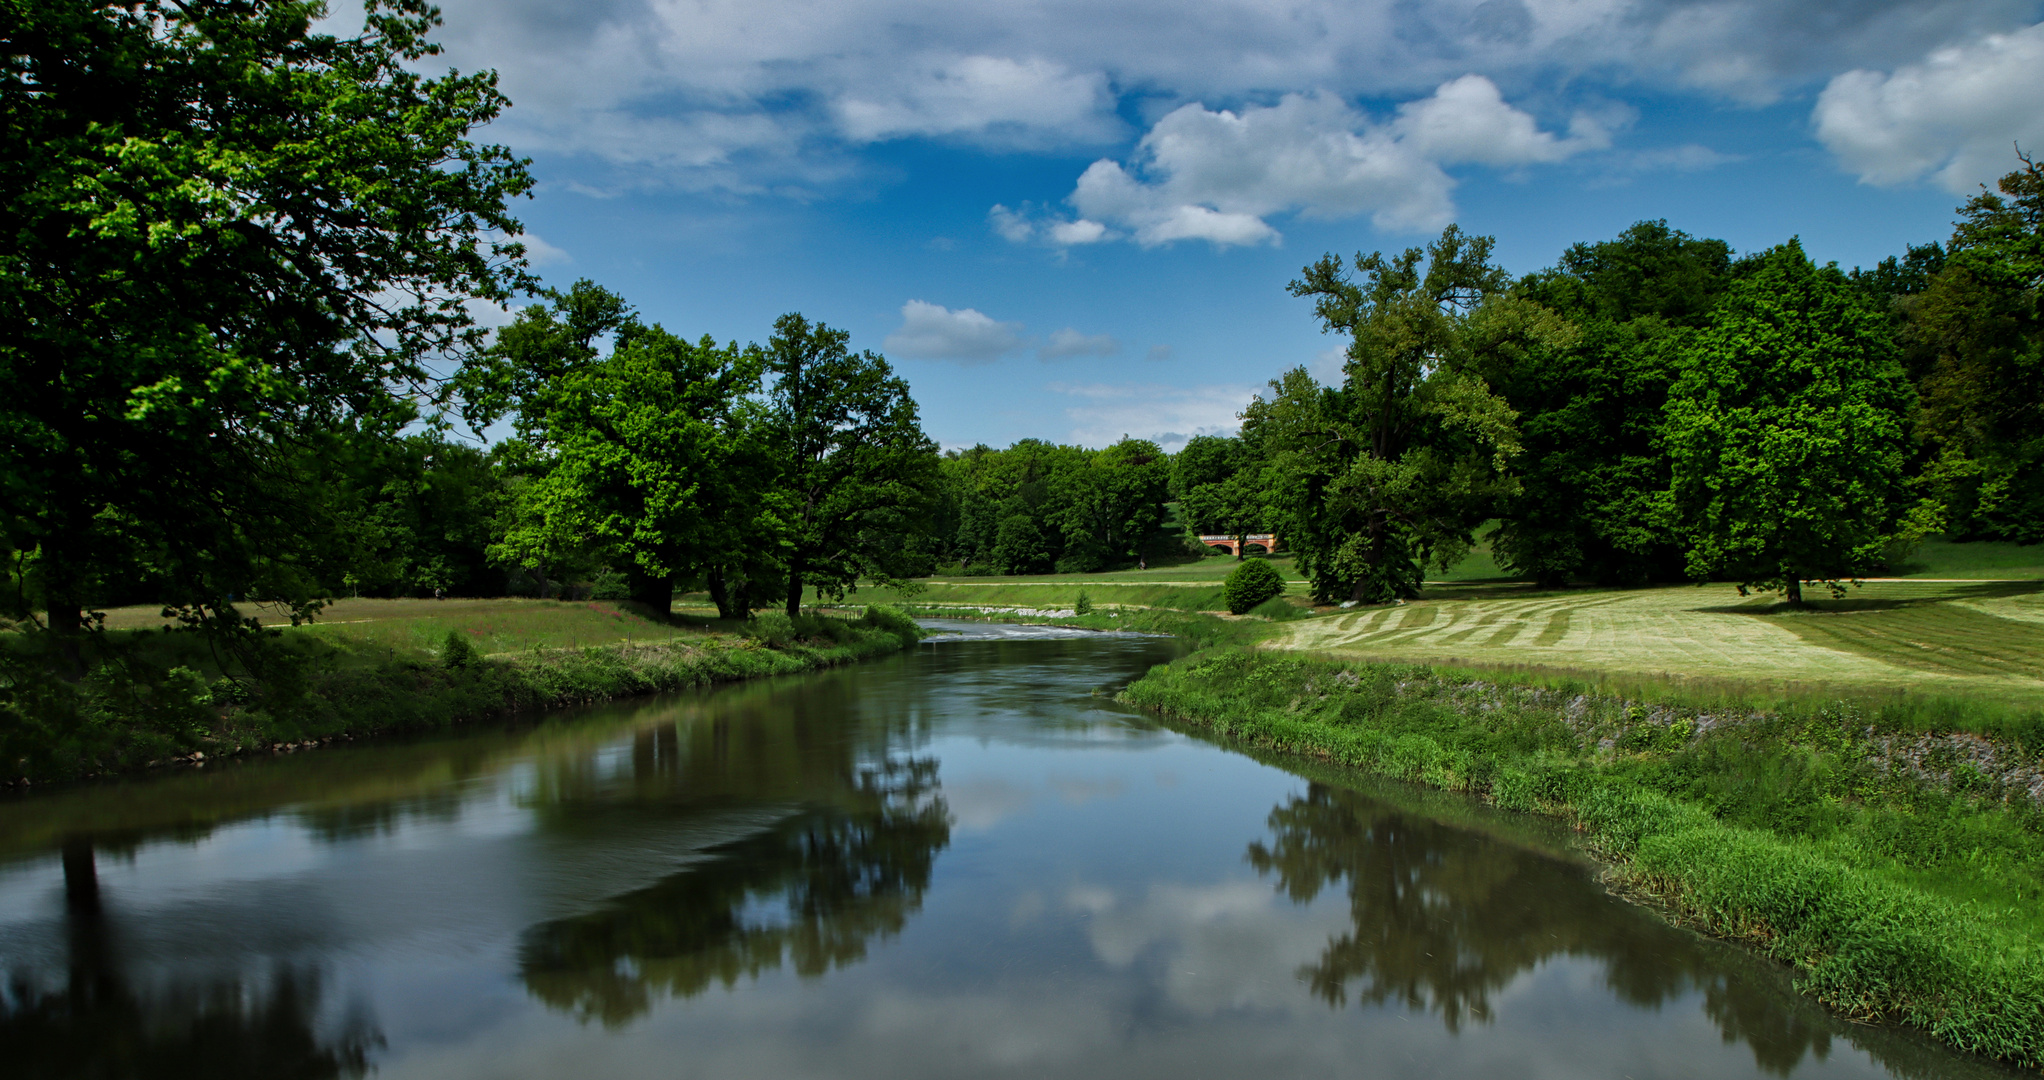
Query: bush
point(894, 621)
point(1083, 605)
point(1251, 584)
point(771, 628)
point(1279, 609)
point(457, 653)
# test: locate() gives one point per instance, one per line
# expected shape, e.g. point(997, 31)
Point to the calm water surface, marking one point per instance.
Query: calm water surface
point(962, 862)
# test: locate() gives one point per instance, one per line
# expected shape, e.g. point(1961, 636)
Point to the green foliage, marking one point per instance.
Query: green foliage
point(655, 456)
point(1974, 336)
point(1396, 467)
point(858, 474)
point(893, 620)
point(1787, 433)
point(1279, 609)
point(1595, 474)
point(1037, 507)
point(1083, 605)
point(1250, 584)
point(226, 232)
point(456, 652)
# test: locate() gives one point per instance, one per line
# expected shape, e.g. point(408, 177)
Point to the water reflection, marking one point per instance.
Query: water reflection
point(857, 822)
point(1445, 918)
point(811, 892)
point(101, 1020)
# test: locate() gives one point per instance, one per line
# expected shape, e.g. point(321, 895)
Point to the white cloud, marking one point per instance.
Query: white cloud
point(1029, 224)
point(933, 332)
point(1024, 102)
point(1467, 120)
point(1953, 117)
point(541, 253)
point(1167, 415)
point(1071, 233)
point(1202, 174)
point(775, 95)
point(1069, 342)
point(1010, 224)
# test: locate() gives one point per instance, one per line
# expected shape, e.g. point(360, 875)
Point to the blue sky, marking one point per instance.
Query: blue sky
point(1074, 219)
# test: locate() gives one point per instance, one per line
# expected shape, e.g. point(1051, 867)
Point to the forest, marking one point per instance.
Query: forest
point(242, 368)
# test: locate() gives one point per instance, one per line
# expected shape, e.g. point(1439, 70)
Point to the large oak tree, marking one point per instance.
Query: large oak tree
point(223, 232)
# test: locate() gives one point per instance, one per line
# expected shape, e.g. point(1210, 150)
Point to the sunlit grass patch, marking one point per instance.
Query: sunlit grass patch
point(1947, 637)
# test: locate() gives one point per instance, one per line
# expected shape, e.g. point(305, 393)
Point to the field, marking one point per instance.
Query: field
point(1941, 635)
point(497, 626)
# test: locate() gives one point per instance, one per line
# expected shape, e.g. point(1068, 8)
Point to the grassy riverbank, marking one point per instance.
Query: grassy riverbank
point(1899, 873)
point(156, 697)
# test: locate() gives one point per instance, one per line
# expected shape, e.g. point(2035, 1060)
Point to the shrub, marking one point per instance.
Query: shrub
point(894, 621)
point(1279, 609)
point(771, 628)
point(1251, 584)
point(456, 652)
point(1083, 605)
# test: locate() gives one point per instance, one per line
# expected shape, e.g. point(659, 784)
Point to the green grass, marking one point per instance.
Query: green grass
point(1964, 638)
point(1895, 898)
point(154, 696)
point(497, 626)
point(1940, 558)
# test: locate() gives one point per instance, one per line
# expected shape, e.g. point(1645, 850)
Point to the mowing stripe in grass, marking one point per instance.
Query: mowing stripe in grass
point(1557, 626)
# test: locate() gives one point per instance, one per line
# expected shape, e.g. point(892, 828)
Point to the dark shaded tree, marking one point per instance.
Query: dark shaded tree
point(1592, 500)
point(226, 233)
point(1974, 338)
point(859, 475)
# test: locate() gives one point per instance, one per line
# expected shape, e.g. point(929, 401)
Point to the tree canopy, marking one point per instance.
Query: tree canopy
point(226, 232)
point(1787, 432)
point(1400, 463)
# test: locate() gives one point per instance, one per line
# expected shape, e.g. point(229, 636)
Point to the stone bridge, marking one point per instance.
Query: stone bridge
point(1267, 541)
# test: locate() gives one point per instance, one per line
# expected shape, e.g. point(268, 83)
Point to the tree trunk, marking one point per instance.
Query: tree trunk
point(655, 592)
point(66, 619)
point(795, 569)
point(729, 594)
point(1795, 589)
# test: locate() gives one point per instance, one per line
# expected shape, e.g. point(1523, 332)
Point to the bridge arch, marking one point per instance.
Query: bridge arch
point(1268, 542)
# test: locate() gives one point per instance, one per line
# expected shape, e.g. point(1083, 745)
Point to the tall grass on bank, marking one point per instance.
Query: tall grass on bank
point(1895, 898)
point(153, 697)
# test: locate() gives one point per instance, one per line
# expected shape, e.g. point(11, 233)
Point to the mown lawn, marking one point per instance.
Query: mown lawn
point(1886, 635)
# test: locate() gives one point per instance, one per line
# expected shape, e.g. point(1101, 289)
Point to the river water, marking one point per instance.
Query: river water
point(963, 861)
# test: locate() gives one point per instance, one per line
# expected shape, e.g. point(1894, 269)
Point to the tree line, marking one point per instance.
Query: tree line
point(235, 327)
point(1652, 408)
point(236, 332)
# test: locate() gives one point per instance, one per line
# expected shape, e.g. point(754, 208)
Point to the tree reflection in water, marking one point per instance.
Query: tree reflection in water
point(99, 1024)
point(1444, 919)
point(812, 892)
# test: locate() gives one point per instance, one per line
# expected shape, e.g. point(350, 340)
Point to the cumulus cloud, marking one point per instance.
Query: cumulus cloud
point(1952, 117)
point(1069, 342)
point(1031, 224)
point(934, 332)
point(1021, 101)
point(1167, 415)
point(1214, 175)
point(777, 95)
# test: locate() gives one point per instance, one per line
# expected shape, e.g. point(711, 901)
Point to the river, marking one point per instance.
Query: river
point(963, 861)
